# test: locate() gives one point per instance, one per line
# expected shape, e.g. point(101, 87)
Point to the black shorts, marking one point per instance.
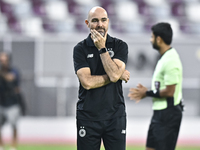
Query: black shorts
point(111, 132)
point(164, 128)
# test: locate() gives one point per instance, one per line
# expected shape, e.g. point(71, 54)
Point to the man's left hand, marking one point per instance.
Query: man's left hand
point(125, 76)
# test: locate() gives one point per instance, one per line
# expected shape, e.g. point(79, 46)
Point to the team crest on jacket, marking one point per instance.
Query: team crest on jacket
point(111, 52)
point(82, 132)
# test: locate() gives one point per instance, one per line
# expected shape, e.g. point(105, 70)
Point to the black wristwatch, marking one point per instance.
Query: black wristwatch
point(103, 50)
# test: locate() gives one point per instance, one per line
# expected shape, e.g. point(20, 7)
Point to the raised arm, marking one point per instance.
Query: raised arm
point(113, 68)
point(89, 81)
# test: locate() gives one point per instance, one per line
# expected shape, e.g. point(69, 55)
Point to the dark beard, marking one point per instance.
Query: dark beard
point(155, 46)
point(102, 33)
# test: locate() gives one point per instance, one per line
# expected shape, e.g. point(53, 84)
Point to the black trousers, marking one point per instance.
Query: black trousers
point(164, 128)
point(111, 132)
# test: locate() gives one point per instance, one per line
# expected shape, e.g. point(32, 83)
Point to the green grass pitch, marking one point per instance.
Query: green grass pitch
point(73, 147)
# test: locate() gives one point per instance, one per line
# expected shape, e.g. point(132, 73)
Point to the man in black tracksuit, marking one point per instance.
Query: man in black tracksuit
point(99, 63)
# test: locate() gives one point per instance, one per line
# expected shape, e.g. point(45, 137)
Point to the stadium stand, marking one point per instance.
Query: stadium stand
point(65, 16)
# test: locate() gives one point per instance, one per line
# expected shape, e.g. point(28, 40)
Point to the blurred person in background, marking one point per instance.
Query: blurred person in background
point(11, 102)
point(99, 62)
point(166, 91)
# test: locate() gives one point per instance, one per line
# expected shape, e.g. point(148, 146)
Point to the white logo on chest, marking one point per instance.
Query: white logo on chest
point(111, 52)
point(90, 55)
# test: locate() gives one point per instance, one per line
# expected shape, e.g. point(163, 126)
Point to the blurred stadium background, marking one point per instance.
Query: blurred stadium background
point(41, 35)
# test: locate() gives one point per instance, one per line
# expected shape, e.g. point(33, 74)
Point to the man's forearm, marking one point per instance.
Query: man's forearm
point(110, 67)
point(95, 81)
point(167, 92)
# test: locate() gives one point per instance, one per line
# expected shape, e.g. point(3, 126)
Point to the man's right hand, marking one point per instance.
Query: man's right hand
point(98, 39)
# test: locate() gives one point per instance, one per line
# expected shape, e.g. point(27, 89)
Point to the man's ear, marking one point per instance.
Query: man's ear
point(159, 39)
point(87, 23)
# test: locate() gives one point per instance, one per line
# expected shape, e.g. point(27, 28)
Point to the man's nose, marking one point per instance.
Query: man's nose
point(99, 23)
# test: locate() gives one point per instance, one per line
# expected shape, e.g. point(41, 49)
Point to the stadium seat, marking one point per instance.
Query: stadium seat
point(188, 27)
point(116, 26)
point(13, 24)
point(38, 8)
point(72, 6)
point(5, 8)
point(193, 12)
point(80, 24)
point(148, 24)
point(160, 11)
point(86, 5)
point(56, 10)
point(23, 9)
point(143, 8)
point(31, 26)
point(178, 8)
point(109, 7)
point(126, 10)
point(59, 26)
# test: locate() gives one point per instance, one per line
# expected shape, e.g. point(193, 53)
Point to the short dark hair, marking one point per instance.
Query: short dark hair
point(163, 30)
